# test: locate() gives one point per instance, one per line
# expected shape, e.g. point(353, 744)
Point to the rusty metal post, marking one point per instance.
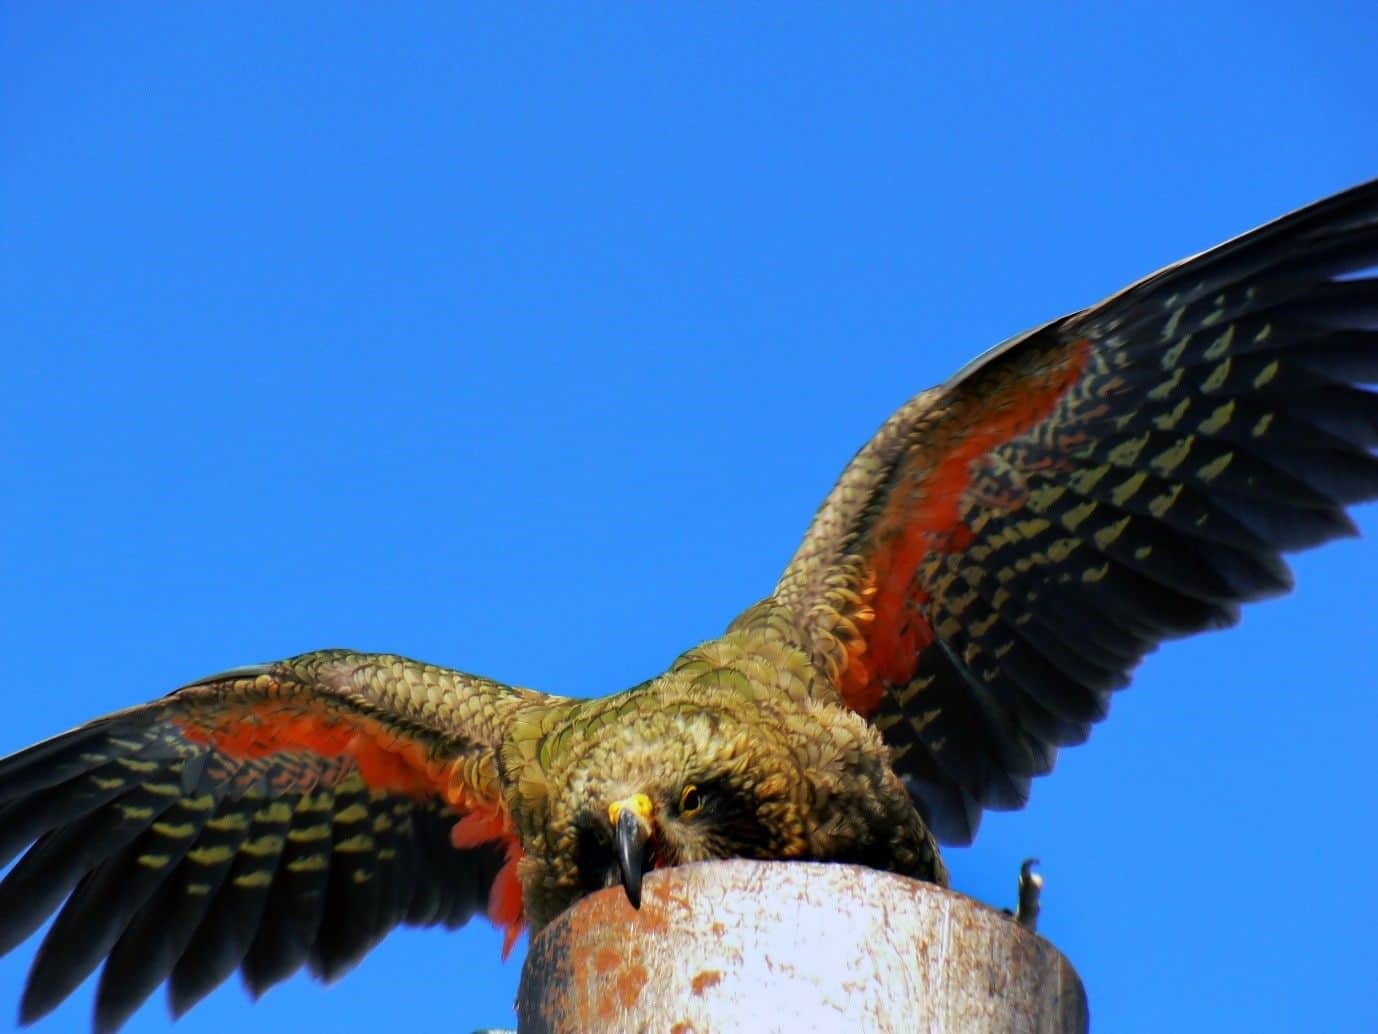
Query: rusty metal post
point(789, 946)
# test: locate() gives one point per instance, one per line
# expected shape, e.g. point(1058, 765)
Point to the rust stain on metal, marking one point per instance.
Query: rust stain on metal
point(652, 917)
point(605, 1009)
point(718, 946)
point(704, 979)
point(629, 983)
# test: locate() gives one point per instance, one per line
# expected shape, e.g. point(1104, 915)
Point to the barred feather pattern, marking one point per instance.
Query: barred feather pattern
point(982, 604)
point(201, 834)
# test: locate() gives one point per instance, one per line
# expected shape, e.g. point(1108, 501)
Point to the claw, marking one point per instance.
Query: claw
point(1030, 890)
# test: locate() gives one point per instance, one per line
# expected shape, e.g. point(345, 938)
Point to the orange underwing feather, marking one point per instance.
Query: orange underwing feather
point(385, 761)
point(921, 517)
point(493, 826)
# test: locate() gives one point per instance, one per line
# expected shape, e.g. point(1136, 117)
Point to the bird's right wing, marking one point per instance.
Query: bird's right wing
point(261, 819)
point(1000, 556)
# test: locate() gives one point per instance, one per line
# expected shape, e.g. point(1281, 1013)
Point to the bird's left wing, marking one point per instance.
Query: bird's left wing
point(261, 819)
point(1004, 551)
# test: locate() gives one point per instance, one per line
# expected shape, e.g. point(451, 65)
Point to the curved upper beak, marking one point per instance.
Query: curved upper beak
point(631, 823)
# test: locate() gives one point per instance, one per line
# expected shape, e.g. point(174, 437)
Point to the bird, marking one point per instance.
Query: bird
point(989, 569)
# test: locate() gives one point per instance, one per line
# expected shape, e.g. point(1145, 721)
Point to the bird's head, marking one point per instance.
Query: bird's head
point(638, 788)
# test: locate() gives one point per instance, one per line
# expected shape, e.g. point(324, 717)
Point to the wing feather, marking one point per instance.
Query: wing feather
point(1001, 555)
point(268, 818)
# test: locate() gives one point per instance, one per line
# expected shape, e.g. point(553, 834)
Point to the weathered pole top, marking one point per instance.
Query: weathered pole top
point(793, 946)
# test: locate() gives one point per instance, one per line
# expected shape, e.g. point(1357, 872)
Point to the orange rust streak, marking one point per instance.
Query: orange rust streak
point(896, 633)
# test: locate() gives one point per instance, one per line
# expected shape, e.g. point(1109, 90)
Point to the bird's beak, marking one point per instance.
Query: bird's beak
point(631, 823)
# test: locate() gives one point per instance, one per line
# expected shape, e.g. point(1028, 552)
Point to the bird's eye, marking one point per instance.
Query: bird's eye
point(690, 800)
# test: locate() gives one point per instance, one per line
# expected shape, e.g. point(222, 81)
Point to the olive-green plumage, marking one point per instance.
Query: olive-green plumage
point(784, 770)
point(988, 569)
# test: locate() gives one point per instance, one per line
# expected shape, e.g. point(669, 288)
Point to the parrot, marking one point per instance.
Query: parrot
point(989, 569)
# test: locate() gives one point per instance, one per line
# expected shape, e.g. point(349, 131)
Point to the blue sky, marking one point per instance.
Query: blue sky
point(526, 340)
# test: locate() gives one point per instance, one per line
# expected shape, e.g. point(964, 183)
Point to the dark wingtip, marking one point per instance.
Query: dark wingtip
point(109, 1018)
point(35, 1004)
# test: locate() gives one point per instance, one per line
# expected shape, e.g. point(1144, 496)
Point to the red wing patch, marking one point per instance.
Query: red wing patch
point(386, 762)
point(921, 516)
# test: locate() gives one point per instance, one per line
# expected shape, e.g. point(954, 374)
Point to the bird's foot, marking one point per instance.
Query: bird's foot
point(1030, 890)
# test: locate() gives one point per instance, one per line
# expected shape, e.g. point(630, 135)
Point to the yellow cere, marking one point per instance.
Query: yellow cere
point(637, 802)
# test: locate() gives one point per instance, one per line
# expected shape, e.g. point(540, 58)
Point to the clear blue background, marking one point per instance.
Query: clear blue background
point(526, 339)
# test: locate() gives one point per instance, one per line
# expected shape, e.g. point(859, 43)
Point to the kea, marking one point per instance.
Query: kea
point(990, 567)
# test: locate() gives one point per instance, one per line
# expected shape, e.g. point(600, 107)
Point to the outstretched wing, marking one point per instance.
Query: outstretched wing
point(261, 819)
point(1000, 556)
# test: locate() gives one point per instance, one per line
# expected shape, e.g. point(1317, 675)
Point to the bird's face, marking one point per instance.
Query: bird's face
point(676, 784)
